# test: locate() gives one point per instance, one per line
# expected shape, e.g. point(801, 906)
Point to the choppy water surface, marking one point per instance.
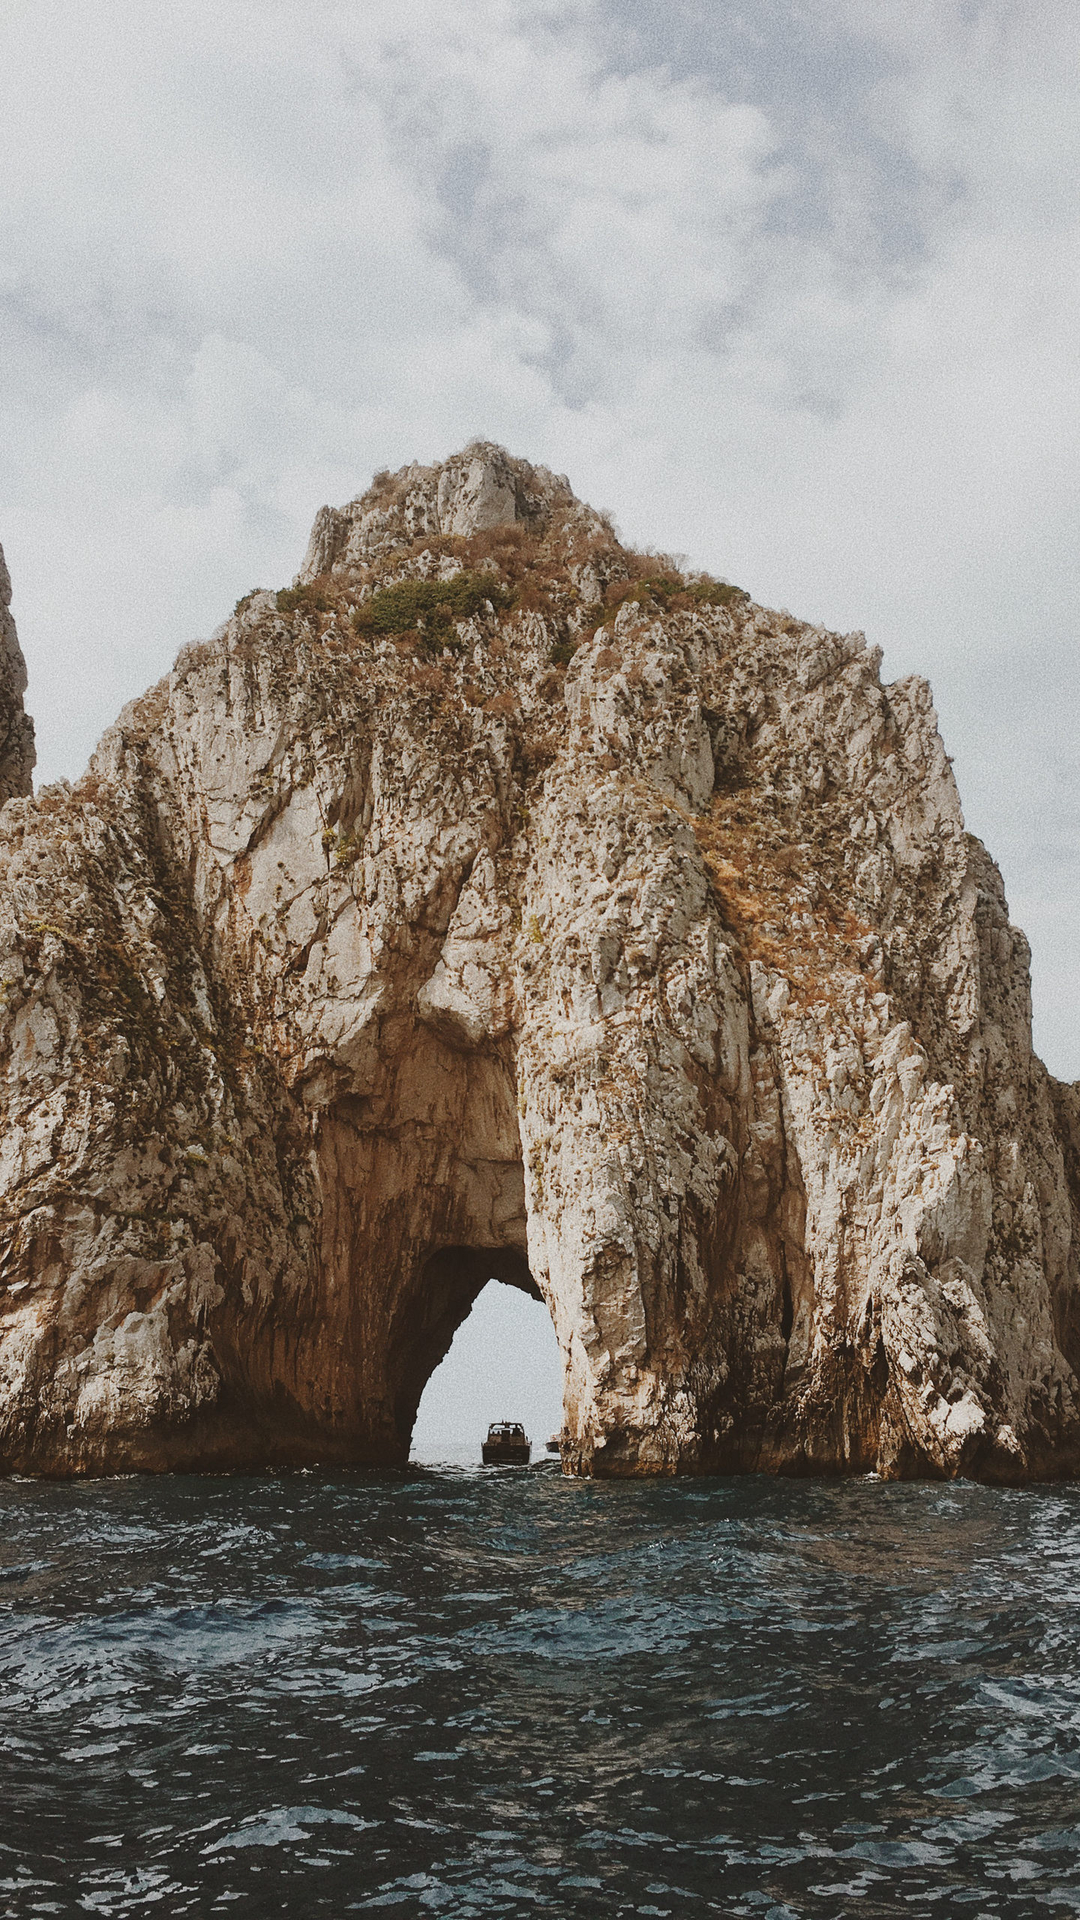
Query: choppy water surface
point(505, 1694)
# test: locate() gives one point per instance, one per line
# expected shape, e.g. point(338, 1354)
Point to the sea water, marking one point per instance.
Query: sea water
point(450, 1691)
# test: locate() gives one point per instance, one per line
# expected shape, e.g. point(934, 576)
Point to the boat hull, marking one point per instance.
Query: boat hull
point(502, 1453)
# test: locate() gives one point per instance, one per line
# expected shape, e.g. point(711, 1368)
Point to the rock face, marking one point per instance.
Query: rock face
point(495, 901)
point(17, 754)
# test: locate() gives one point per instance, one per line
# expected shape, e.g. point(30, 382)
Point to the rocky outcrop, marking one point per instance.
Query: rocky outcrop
point(472, 493)
point(17, 754)
point(498, 901)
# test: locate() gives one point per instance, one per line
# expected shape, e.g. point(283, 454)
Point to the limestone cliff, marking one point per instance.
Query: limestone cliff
point(16, 727)
point(495, 900)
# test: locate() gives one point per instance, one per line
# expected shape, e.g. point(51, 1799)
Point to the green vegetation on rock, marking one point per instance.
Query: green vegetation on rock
point(309, 598)
point(429, 606)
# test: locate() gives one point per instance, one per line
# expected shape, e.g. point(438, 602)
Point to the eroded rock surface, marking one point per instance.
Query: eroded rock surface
point(17, 754)
point(591, 927)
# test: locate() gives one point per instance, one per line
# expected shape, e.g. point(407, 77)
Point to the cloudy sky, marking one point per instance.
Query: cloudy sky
point(790, 287)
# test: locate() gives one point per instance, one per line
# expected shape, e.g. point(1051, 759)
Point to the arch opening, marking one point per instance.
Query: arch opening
point(501, 1362)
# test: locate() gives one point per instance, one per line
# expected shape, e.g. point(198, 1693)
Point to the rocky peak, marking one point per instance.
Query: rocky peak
point(476, 490)
point(17, 754)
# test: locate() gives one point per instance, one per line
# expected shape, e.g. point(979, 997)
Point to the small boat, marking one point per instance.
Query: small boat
point(507, 1445)
point(554, 1445)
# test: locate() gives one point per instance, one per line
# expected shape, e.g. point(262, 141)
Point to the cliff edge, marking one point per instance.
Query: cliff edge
point(497, 901)
point(17, 754)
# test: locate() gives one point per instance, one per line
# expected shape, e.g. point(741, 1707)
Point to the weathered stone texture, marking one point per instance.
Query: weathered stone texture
point(17, 754)
point(646, 965)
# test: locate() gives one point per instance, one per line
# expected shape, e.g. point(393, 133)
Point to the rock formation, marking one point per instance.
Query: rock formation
point(16, 727)
point(497, 901)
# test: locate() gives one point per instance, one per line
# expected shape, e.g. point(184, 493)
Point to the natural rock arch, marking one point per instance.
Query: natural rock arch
point(451, 1282)
point(602, 924)
point(415, 1219)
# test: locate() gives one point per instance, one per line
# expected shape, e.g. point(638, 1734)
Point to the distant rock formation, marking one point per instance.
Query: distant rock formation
point(496, 901)
point(17, 754)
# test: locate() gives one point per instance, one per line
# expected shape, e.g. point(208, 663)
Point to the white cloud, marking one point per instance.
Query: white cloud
point(792, 289)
